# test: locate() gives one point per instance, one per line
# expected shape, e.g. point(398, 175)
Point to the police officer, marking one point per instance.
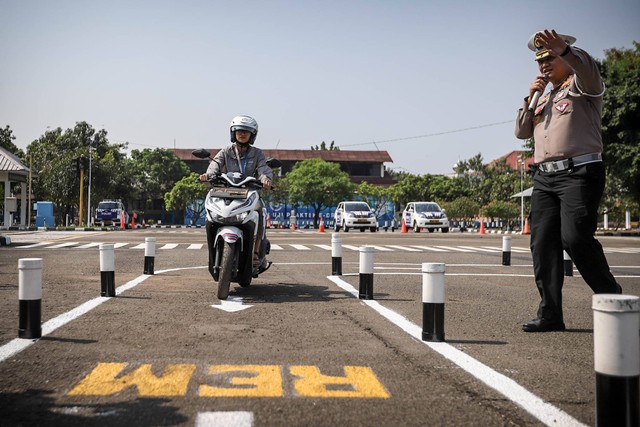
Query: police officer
point(569, 175)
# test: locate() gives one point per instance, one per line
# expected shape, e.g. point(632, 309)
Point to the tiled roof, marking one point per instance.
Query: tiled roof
point(11, 163)
point(299, 155)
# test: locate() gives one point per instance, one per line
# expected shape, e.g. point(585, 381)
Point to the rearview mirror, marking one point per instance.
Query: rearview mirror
point(273, 163)
point(201, 153)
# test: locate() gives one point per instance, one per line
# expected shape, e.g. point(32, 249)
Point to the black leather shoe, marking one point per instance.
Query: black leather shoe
point(543, 325)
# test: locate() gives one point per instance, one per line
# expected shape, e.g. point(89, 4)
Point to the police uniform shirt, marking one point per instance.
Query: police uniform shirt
point(566, 122)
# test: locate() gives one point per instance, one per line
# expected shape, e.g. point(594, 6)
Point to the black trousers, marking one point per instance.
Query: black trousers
point(564, 209)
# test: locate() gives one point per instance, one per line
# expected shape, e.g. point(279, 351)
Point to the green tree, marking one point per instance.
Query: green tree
point(187, 195)
point(462, 208)
point(52, 156)
point(6, 142)
point(318, 184)
point(376, 196)
point(621, 119)
point(155, 172)
point(323, 147)
point(499, 209)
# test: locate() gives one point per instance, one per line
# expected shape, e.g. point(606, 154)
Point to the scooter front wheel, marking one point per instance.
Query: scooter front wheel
point(226, 267)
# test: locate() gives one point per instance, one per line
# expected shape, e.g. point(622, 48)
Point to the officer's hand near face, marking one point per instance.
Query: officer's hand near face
point(553, 42)
point(204, 177)
point(266, 184)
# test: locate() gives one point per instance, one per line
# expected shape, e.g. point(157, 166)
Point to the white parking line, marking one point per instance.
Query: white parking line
point(325, 247)
point(543, 411)
point(196, 246)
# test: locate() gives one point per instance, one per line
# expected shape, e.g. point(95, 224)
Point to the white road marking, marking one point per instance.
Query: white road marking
point(300, 247)
point(231, 305)
point(169, 246)
point(62, 245)
point(404, 248)
point(325, 247)
point(433, 248)
point(196, 246)
point(276, 247)
point(18, 344)
point(543, 411)
point(88, 245)
point(224, 419)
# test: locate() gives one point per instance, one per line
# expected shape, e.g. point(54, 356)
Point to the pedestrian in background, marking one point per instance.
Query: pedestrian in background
point(568, 173)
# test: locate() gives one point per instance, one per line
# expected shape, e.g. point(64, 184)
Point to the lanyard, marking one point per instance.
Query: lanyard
point(243, 165)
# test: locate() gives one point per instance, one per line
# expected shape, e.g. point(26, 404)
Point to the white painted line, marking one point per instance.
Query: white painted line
point(196, 246)
point(119, 245)
point(139, 246)
point(353, 248)
point(224, 419)
point(381, 248)
point(276, 247)
point(623, 250)
point(89, 245)
point(492, 248)
point(454, 248)
point(325, 247)
point(404, 248)
point(480, 249)
point(35, 245)
point(62, 245)
point(432, 248)
point(300, 247)
point(169, 246)
point(543, 411)
point(17, 345)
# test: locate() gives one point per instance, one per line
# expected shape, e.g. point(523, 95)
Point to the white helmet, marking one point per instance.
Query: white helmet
point(244, 123)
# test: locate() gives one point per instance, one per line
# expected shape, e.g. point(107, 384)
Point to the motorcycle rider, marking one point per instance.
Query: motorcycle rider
point(243, 157)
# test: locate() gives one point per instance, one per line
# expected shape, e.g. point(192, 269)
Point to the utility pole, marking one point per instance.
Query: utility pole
point(81, 208)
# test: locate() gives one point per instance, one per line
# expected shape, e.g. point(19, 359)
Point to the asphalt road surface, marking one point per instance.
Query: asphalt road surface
point(297, 347)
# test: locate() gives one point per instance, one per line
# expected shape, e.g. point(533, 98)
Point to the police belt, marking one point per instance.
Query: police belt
point(560, 165)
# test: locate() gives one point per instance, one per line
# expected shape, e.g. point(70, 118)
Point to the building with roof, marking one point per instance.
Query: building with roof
point(360, 165)
point(12, 170)
point(513, 161)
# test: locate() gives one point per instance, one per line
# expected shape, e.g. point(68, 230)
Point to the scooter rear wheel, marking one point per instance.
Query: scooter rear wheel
point(226, 266)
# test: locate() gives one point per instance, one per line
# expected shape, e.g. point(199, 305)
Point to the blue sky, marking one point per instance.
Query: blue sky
point(398, 75)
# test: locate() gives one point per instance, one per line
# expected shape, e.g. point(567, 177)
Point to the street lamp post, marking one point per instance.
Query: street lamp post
point(90, 217)
point(520, 160)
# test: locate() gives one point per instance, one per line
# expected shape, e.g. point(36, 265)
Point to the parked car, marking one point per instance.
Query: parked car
point(429, 215)
point(109, 212)
point(354, 215)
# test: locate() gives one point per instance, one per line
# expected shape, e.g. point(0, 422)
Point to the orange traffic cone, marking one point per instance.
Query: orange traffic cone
point(482, 226)
point(526, 230)
point(293, 226)
point(122, 220)
point(404, 227)
point(321, 229)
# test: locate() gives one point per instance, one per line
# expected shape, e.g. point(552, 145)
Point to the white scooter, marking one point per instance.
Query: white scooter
point(232, 227)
